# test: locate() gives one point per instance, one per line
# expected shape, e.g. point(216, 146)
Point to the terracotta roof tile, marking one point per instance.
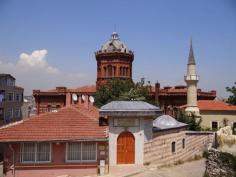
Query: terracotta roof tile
point(180, 90)
point(85, 89)
point(212, 105)
point(69, 123)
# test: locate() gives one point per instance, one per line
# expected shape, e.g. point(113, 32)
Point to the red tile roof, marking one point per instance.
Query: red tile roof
point(69, 123)
point(181, 90)
point(85, 89)
point(212, 105)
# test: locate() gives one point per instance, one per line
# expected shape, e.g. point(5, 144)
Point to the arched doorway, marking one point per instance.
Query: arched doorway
point(125, 148)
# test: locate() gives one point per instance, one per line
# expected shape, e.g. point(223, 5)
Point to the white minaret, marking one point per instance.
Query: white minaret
point(191, 80)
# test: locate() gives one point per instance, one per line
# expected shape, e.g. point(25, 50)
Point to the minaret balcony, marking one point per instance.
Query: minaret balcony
point(191, 78)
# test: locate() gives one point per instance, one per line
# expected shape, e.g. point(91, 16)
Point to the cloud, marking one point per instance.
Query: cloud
point(32, 71)
point(37, 59)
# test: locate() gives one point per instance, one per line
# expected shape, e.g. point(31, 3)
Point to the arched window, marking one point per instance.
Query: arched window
point(114, 71)
point(173, 147)
point(183, 143)
point(105, 72)
point(127, 72)
point(121, 71)
point(109, 71)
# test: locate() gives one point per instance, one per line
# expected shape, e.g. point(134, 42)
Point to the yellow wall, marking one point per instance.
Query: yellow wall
point(209, 116)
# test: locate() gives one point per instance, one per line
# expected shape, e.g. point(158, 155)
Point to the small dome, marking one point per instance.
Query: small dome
point(115, 44)
point(167, 122)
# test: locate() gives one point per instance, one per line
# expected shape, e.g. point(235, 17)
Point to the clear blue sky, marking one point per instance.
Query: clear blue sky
point(158, 31)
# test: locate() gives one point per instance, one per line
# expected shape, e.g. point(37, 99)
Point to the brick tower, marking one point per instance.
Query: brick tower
point(114, 61)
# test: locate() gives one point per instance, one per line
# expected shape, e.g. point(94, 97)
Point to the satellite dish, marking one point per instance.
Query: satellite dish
point(91, 99)
point(74, 97)
point(83, 97)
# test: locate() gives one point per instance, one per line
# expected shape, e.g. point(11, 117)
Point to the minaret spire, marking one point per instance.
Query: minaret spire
point(191, 59)
point(191, 80)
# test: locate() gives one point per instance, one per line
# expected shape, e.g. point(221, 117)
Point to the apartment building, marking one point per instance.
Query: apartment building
point(11, 99)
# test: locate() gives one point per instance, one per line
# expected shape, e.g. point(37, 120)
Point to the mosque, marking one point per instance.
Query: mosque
point(70, 136)
point(114, 61)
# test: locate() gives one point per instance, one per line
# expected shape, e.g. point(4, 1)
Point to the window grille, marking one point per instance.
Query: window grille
point(28, 152)
point(43, 152)
point(35, 152)
point(74, 151)
point(81, 151)
point(214, 125)
point(88, 151)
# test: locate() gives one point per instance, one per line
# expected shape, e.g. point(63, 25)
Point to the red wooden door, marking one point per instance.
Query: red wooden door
point(125, 148)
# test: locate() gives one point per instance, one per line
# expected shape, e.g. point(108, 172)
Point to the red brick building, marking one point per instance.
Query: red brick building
point(170, 98)
point(69, 141)
point(52, 100)
point(114, 61)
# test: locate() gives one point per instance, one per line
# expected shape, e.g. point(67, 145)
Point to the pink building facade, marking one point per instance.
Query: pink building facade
point(56, 162)
point(67, 142)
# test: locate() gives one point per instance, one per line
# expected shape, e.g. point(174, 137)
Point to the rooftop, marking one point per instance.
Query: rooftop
point(69, 123)
point(167, 122)
point(90, 89)
point(115, 45)
point(128, 108)
point(213, 105)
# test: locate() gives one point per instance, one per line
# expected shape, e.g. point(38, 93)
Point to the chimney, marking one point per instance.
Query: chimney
point(68, 99)
point(157, 91)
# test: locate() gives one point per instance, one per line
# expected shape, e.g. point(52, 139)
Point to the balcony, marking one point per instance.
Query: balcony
point(191, 78)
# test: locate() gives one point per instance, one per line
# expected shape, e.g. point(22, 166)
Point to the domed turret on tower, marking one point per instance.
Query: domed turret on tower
point(115, 45)
point(114, 61)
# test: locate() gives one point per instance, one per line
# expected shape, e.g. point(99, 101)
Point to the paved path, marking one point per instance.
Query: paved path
point(188, 169)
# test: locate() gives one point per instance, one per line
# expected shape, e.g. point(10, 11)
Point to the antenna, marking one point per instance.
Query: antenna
point(74, 97)
point(83, 97)
point(114, 27)
point(91, 99)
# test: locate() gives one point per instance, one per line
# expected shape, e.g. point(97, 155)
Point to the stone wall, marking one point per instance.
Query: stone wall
point(159, 150)
point(220, 164)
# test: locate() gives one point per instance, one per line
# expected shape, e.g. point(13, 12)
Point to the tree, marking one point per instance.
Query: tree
point(122, 90)
point(232, 97)
point(112, 91)
point(190, 119)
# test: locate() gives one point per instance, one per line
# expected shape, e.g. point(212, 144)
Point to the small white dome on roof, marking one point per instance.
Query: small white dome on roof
point(115, 44)
point(167, 122)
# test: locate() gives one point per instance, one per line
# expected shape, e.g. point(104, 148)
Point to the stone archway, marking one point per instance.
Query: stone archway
point(126, 148)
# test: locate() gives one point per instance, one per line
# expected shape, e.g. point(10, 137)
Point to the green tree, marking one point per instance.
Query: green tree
point(232, 97)
point(112, 91)
point(122, 90)
point(190, 119)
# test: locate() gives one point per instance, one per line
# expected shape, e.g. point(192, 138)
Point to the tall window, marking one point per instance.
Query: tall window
point(17, 97)
point(10, 82)
point(35, 152)
point(17, 113)
point(49, 108)
point(214, 125)
point(183, 143)
point(10, 96)
point(173, 147)
point(114, 71)
point(9, 113)
point(109, 71)
point(81, 151)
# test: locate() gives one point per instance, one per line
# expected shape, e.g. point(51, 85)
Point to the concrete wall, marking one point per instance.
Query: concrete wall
point(159, 152)
point(141, 133)
point(58, 165)
point(209, 116)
